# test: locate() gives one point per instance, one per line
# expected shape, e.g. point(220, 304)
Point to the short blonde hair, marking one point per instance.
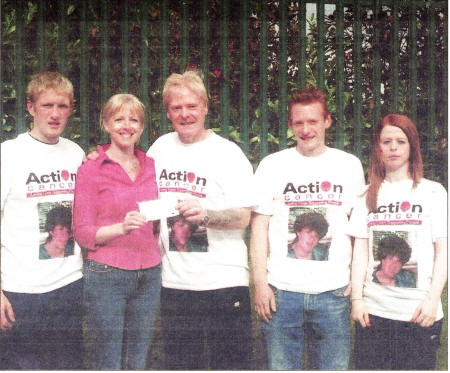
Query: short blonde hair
point(116, 102)
point(49, 80)
point(190, 79)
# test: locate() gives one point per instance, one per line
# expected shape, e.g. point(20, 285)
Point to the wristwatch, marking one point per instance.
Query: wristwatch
point(205, 221)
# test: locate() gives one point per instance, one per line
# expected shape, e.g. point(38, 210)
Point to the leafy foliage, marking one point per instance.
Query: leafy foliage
point(111, 66)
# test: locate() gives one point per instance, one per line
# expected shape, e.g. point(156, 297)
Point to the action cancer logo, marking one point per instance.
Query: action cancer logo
point(59, 181)
point(399, 207)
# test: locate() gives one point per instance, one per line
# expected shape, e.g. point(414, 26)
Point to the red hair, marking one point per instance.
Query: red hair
point(377, 171)
point(309, 95)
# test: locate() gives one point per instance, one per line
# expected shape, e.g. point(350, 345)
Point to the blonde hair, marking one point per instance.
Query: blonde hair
point(49, 80)
point(190, 79)
point(116, 102)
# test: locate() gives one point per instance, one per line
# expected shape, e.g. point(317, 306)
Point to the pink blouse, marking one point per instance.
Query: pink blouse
point(104, 193)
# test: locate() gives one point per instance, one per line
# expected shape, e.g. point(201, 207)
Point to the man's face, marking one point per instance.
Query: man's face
point(309, 123)
point(181, 231)
point(391, 265)
point(60, 236)
point(187, 112)
point(50, 112)
point(308, 238)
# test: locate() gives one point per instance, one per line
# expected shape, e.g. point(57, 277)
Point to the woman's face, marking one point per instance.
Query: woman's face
point(308, 238)
point(181, 231)
point(391, 265)
point(124, 127)
point(395, 149)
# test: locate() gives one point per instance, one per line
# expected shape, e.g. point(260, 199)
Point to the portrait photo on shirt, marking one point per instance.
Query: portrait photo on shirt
point(308, 234)
point(393, 261)
point(185, 236)
point(55, 228)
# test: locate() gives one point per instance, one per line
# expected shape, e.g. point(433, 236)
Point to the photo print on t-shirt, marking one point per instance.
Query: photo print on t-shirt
point(309, 237)
point(185, 236)
point(392, 259)
point(55, 228)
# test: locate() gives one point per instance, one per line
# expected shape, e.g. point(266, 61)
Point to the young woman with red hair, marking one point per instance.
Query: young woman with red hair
point(398, 322)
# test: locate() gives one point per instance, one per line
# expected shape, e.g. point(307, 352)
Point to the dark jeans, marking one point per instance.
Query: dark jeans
point(47, 333)
point(396, 345)
point(206, 329)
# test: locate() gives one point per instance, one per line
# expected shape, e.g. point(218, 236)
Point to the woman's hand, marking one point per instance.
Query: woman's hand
point(360, 313)
point(132, 220)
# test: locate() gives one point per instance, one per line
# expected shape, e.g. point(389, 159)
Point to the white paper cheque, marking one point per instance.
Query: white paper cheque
point(158, 208)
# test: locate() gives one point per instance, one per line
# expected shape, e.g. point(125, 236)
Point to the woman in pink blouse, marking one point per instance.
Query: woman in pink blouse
point(122, 275)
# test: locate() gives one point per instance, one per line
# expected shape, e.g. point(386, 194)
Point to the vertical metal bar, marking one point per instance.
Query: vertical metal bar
point(302, 43)
point(395, 57)
point(125, 47)
point(340, 99)
point(376, 66)
point(144, 71)
point(184, 34)
point(164, 58)
point(62, 36)
point(264, 80)
point(19, 51)
point(84, 75)
point(104, 57)
point(204, 48)
point(412, 90)
point(320, 44)
point(357, 60)
point(41, 35)
point(225, 86)
point(431, 89)
point(245, 122)
point(283, 75)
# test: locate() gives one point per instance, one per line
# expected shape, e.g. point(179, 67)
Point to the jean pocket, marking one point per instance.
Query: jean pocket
point(93, 266)
point(339, 292)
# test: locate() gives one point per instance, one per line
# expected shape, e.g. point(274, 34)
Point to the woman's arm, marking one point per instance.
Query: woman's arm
point(425, 314)
point(359, 269)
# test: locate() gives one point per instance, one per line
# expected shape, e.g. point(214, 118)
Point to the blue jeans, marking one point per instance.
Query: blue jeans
point(207, 330)
point(319, 322)
point(121, 308)
point(396, 345)
point(47, 333)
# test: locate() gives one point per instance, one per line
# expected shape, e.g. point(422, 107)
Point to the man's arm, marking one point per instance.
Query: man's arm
point(233, 218)
point(259, 246)
point(6, 313)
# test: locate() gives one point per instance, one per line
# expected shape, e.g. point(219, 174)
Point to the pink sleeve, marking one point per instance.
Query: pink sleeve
point(85, 207)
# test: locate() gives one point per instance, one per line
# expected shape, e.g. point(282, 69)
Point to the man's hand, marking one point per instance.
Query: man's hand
point(192, 210)
point(92, 156)
point(265, 302)
point(425, 314)
point(360, 313)
point(6, 313)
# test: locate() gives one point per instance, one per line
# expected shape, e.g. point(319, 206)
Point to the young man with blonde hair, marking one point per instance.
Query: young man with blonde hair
point(205, 297)
point(40, 310)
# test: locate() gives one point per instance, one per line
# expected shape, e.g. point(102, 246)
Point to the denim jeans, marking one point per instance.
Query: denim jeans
point(120, 308)
point(396, 345)
point(319, 322)
point(207, 330)
point(47, 333)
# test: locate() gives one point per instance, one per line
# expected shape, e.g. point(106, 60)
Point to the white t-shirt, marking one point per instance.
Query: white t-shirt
point(416, 216)
point(37, 178)
point(301, 192)
point(217, 173)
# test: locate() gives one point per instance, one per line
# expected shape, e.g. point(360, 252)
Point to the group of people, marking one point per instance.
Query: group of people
point(323, 246)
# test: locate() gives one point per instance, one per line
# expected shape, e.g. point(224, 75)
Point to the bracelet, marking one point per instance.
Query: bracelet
point(352, 299)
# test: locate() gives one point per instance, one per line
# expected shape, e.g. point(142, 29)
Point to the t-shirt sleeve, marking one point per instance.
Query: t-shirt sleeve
point(357, 226)
point(439, 212)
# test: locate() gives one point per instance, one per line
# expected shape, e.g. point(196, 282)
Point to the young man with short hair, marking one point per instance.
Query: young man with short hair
point(41, 296)
point(304, 301)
